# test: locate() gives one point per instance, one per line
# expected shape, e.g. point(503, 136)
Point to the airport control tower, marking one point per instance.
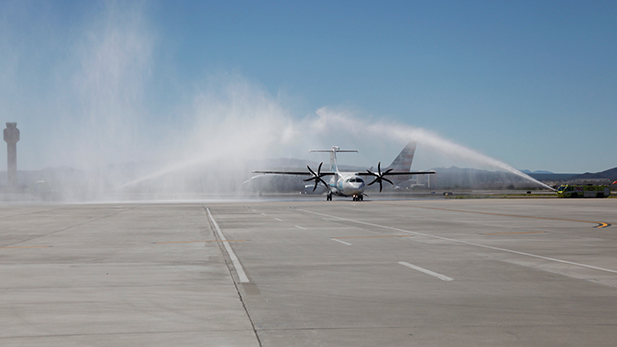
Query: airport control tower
point(11, 136)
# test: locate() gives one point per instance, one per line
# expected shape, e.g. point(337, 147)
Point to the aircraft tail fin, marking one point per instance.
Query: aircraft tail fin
point(403, 161)
point(333, 151)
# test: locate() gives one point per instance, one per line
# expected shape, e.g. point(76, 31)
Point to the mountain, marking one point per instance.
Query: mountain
point(552, 176)
point(610, 174)
point(543, 175)
point(536, 172)
point(465, 178)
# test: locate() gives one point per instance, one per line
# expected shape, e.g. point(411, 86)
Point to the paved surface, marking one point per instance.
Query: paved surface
point(529, 272)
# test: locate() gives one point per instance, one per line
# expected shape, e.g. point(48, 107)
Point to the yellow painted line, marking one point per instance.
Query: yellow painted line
point(369, 237)
point(516, 233)
point(25, 247)
point(599, 226)
point(200, 241)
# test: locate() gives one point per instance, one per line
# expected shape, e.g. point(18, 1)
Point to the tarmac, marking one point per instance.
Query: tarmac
point(424, 272)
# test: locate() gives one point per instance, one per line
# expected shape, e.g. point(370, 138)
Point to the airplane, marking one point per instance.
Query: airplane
point(352, 184)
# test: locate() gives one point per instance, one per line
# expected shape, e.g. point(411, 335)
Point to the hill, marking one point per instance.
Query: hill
point(610, 174)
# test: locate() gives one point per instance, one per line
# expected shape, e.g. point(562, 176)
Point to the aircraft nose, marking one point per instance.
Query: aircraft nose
point(357, 187)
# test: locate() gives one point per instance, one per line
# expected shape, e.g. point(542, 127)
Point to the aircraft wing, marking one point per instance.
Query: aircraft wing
point(380, 176)
point(298, 173)
point(409, 173)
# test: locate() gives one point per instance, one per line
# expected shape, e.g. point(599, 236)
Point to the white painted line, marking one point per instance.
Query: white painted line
point(466, 243)
point(264, 214)
point(239, 270)
point(280, 220)
point(428, 272)
point(299, 227)
point(343, 242)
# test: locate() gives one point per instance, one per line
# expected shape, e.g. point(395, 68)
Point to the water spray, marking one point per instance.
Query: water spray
point(428, 139)
point(100, 119)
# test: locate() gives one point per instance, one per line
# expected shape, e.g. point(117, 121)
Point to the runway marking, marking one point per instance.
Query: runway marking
point(265, 214)
point(516, 233)
point(428, 272)
point(369, 237)
point(343, 242)
point(600, 225)
point(280, 220)
point(206, 241)
point(299, 227)
point(236, 262)
point(466, 242)
point(10, 247)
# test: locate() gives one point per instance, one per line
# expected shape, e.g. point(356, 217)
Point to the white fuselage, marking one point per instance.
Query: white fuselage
point(347, 184)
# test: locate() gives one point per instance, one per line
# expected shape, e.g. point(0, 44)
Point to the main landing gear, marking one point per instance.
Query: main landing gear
point(355, 197)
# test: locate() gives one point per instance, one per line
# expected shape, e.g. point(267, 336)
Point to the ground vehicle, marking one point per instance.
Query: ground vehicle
point(583, 191)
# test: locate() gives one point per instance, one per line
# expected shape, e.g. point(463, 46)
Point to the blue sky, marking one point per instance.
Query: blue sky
point(531, 83)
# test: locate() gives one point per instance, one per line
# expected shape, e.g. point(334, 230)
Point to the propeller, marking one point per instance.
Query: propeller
point(379, 176)
point(317, 177)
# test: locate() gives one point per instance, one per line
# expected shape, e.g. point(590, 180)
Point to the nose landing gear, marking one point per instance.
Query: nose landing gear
point(358, 198)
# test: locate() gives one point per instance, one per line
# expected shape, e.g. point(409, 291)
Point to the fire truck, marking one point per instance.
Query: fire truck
point(583, 191)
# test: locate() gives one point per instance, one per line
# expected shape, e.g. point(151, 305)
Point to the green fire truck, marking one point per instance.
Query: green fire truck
point(583, 191)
